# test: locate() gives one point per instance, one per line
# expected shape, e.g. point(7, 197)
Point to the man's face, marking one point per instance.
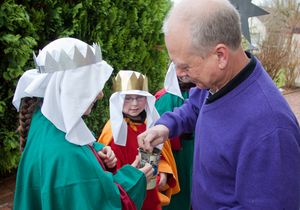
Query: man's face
point(184, 79)
point(190, 65)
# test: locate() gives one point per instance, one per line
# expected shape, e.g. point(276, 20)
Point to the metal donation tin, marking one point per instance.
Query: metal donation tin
point(153, 159)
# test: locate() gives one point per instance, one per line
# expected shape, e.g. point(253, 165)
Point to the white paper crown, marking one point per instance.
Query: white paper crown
point(65, 61)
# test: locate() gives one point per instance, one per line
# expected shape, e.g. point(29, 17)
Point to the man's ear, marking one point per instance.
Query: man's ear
point(222, 52)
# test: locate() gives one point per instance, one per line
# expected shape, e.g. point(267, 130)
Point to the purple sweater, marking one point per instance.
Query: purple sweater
point(247, 153)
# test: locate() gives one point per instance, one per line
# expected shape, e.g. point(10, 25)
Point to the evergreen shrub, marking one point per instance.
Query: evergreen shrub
point(129, 33)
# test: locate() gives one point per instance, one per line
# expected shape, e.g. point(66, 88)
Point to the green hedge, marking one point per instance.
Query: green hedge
point(129, 33)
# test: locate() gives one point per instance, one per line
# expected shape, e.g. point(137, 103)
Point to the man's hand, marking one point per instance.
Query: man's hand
point(153, 137)
point(108, 156)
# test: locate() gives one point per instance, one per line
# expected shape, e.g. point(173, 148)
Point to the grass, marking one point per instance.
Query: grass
point(280, 79)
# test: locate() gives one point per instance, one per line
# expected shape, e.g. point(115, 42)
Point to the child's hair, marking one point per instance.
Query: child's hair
point(28, 106)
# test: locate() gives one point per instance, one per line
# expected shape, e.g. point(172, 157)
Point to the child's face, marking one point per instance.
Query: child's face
point(89, 109)
point(134, 104)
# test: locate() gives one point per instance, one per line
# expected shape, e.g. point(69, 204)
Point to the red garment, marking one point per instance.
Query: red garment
point(127, 154)
point(127, 203)
point(175, 143)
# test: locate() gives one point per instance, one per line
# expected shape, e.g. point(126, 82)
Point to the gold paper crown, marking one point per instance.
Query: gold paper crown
point(130, 80)
point(65, 61)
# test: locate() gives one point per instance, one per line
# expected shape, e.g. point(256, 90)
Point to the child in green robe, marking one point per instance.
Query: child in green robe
point(62, 167)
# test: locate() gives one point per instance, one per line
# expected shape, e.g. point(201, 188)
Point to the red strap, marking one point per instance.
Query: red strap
point(160, 93)
point(98, 157)
point(175, 143)
point(127, 203)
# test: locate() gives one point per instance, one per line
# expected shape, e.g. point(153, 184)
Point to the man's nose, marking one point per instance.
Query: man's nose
point(181, 73)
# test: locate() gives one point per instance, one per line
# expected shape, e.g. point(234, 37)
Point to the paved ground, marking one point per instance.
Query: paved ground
point(293, 98)
point(7, 185)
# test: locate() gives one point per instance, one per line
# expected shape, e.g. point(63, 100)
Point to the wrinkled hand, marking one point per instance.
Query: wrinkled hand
point(147, 169)
point(153, 137)
point(108, 156)
point(162, 181)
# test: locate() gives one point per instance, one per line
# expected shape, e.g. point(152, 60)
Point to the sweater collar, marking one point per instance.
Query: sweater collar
point(238, 79)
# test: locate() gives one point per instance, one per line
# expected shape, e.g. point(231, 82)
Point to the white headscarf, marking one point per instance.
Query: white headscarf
point(171, 84)
point(116, 103)
point(69, 91)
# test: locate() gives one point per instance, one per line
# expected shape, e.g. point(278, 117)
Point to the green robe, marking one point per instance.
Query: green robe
point(183, 157)
point(55, 174)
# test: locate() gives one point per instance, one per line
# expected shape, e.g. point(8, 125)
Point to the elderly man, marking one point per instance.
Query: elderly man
point(247, 139)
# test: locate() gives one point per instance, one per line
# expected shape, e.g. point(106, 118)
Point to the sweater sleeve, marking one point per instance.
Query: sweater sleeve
point(183, 119)
point(267, 175)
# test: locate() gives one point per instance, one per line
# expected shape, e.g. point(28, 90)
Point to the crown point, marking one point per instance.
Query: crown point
point(90, 58)
point(145, 84)
point(65, 61)
point(98, 53)
point(34, 59)
point(78, 58)
point(51, 66)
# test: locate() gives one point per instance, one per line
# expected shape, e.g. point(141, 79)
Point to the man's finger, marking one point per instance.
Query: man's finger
point(141, 139)
point(156, 142)
point(149, 141)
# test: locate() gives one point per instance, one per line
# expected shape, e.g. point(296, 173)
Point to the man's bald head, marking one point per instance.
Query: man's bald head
point(206, 22)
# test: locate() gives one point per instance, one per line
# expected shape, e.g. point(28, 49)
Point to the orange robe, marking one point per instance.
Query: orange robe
point(126, 155)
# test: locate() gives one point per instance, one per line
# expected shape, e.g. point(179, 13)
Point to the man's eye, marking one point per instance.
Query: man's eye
point(186, 68)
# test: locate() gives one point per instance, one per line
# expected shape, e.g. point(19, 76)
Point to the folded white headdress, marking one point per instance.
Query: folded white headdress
point(171, 84)
point(69, 76)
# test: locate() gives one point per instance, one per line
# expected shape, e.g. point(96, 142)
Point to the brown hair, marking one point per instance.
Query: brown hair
point(28, 106)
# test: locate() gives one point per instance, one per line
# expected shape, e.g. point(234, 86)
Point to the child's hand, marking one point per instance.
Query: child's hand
point(108, 156)
point(162, 181)
point(136, 162)
point(147, 169)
